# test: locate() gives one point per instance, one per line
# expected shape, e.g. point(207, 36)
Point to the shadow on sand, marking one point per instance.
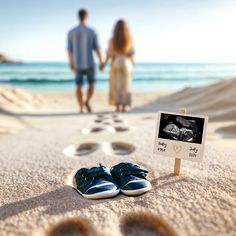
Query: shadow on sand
point(61, 200)
point(66, 199)
point(227, 132)
point(167, 179)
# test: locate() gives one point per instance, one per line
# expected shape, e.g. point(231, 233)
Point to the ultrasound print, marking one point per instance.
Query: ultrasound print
point(181, 128)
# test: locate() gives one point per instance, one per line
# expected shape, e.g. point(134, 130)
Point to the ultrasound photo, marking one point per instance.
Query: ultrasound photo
point(181, 128)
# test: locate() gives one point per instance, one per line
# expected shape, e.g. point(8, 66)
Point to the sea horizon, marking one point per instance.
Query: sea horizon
point(147, 76)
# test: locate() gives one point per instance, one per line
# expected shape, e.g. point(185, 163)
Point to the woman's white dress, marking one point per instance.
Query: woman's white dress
point(120, 80)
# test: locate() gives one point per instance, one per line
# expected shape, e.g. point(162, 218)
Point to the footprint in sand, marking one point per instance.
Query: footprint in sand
point(118, 148)
point(114, 148)
point(81, 150)
point(107, 123)
point(104, 120)
point(96, 129)
point(132, 224)
point(145, 223)
point(92, 130)
point(118, 121)
point(107, 115)
point(108, 127)
point(70, 227)
point(107, 118)
point(115, 116)
point(121, 129)
point(98, 120)
point(100, 115)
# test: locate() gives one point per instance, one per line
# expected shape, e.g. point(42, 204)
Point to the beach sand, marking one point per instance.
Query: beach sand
point(35, 175)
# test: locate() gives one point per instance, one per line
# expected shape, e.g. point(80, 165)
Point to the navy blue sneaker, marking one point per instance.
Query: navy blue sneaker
point(95, 183)
point(131, 179)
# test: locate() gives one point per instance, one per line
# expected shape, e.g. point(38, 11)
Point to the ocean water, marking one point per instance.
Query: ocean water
point(146, 76)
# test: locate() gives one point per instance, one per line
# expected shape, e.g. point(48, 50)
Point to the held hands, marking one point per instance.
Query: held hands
point(102, 66)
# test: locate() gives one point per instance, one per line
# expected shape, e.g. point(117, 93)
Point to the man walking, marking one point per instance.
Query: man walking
point(82, 41)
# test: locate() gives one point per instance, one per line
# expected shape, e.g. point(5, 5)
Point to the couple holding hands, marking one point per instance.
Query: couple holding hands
point(82, 41)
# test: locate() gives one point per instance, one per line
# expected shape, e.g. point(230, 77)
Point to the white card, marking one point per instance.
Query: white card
point(180, 136)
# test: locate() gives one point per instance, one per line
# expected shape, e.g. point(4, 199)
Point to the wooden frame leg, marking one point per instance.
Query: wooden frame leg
point(177, 167)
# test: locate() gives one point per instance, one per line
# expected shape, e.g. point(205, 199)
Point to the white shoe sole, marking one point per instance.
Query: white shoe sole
point(100, 195)
point(136, 191)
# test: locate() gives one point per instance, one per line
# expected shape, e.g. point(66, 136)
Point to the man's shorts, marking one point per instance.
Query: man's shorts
point(89, 73)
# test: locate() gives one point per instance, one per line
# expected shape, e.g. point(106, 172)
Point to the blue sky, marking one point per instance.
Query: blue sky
point(163, 30)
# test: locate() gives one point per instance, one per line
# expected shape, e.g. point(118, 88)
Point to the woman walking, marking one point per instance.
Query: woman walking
point(121, 52)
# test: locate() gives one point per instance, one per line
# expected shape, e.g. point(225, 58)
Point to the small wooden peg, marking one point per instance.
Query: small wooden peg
point(177, 167)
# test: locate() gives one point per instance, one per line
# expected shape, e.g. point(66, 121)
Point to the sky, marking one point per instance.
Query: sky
point(162, 30)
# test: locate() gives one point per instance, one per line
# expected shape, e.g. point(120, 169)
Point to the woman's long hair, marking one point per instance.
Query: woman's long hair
point(121, 41)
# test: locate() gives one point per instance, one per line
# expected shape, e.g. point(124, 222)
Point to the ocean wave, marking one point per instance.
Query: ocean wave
point(69, 80)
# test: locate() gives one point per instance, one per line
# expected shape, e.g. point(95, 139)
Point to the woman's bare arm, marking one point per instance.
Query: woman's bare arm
point(108, 57)
point(132, 59)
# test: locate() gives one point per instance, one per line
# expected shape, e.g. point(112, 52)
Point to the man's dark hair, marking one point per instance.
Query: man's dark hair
point(82, 14)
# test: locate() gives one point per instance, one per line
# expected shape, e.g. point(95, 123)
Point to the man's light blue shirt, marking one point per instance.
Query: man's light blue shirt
point(82, 40)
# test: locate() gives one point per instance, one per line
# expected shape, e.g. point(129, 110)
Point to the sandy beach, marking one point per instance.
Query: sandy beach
point(35, 175)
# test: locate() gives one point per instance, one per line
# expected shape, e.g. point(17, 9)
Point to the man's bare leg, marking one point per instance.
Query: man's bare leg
point(117, 108)
point(90, 93)
point(123, 108)
point(79, 96)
